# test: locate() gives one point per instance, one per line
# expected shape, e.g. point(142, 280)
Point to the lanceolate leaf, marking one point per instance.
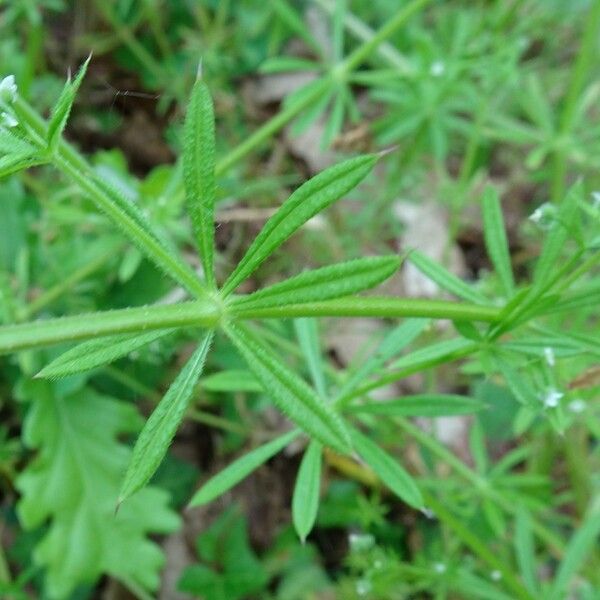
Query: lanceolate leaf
point(422, 405)
point(305, 501)
point(583, 542)
point(307, 332)
point(495, 240)
point(156, 436)
point(309, 199)
point(446, 280)
point(388, 470)
point(62, 108)
point(240, 469)
point(13, 163)
point(329, 282)
point(96, 353)
point(289, 392)
point(199, 173)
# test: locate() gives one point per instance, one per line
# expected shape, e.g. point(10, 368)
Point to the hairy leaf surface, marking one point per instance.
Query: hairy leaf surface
point(309, 199)
point(290, 393)
point(98, 352)
point(159, 430)
point(62, 108)
point(199, 173)
point(325, 283)
point(305, 501)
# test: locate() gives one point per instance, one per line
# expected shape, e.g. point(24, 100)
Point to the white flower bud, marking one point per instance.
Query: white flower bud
point(8, 89)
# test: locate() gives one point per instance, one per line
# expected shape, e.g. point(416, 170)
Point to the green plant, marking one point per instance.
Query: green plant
point(524, 343)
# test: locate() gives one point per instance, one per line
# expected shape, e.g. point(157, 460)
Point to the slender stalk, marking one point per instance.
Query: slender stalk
point(585, 59)
point(65, 285)
point(35, 334)
point(374, 306)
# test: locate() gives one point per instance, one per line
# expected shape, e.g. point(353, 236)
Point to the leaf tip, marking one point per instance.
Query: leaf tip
point(199, 70)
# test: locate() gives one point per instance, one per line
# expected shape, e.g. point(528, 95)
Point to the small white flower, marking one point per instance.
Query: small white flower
point(7, 120)
point(552, 397)
point(549, 356)
point(437, 69)
point(429, 514)
point(439, 567)
point(361, 542)
point(576, 406)
point(8, 89)
point(544, 216)
point(363, 587)
point(496, 575)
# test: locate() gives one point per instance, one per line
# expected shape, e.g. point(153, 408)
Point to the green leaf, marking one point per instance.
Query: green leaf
point(155, 438)
point(495, 240)
point(305, 501)
point(388, 470)
point(66, 329)
point(68, 494)
point(290, 393)
point(199, 173)
point(333, 281)
point(232, 380)
point(446, 280)
point(392, 344)
point(98, 352)
point(309, 199)
point(241, 468)
point(62, 108)
point(421, 405)
point(307, 332)
point(14, 163)
point(525, 550)
point(435, 354)
point(583, 542)
point(229, 570)
point(554, 245)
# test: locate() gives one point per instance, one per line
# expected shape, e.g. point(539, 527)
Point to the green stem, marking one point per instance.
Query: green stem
point(64, 286)
point(352, 61)
point(579, 74)
point(374, 306)
point(74, 166)
point(362, 52)
point(24, 336)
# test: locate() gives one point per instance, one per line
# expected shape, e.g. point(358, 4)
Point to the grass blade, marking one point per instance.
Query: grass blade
point(525, 551)
point(62, 108)
point(421, 405)
point(446, 280)
point(334, 281)
point(199, 173)
point(309, 199)
point(583, 542)
point(496, 241)
point(305, 501)
point(96, 353)
point(388, 470)
point(240, 469)
point(307, 332)
point(155, 438)
point(289, 392)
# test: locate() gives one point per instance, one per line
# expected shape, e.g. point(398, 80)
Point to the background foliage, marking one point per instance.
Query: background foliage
point(465, 140)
